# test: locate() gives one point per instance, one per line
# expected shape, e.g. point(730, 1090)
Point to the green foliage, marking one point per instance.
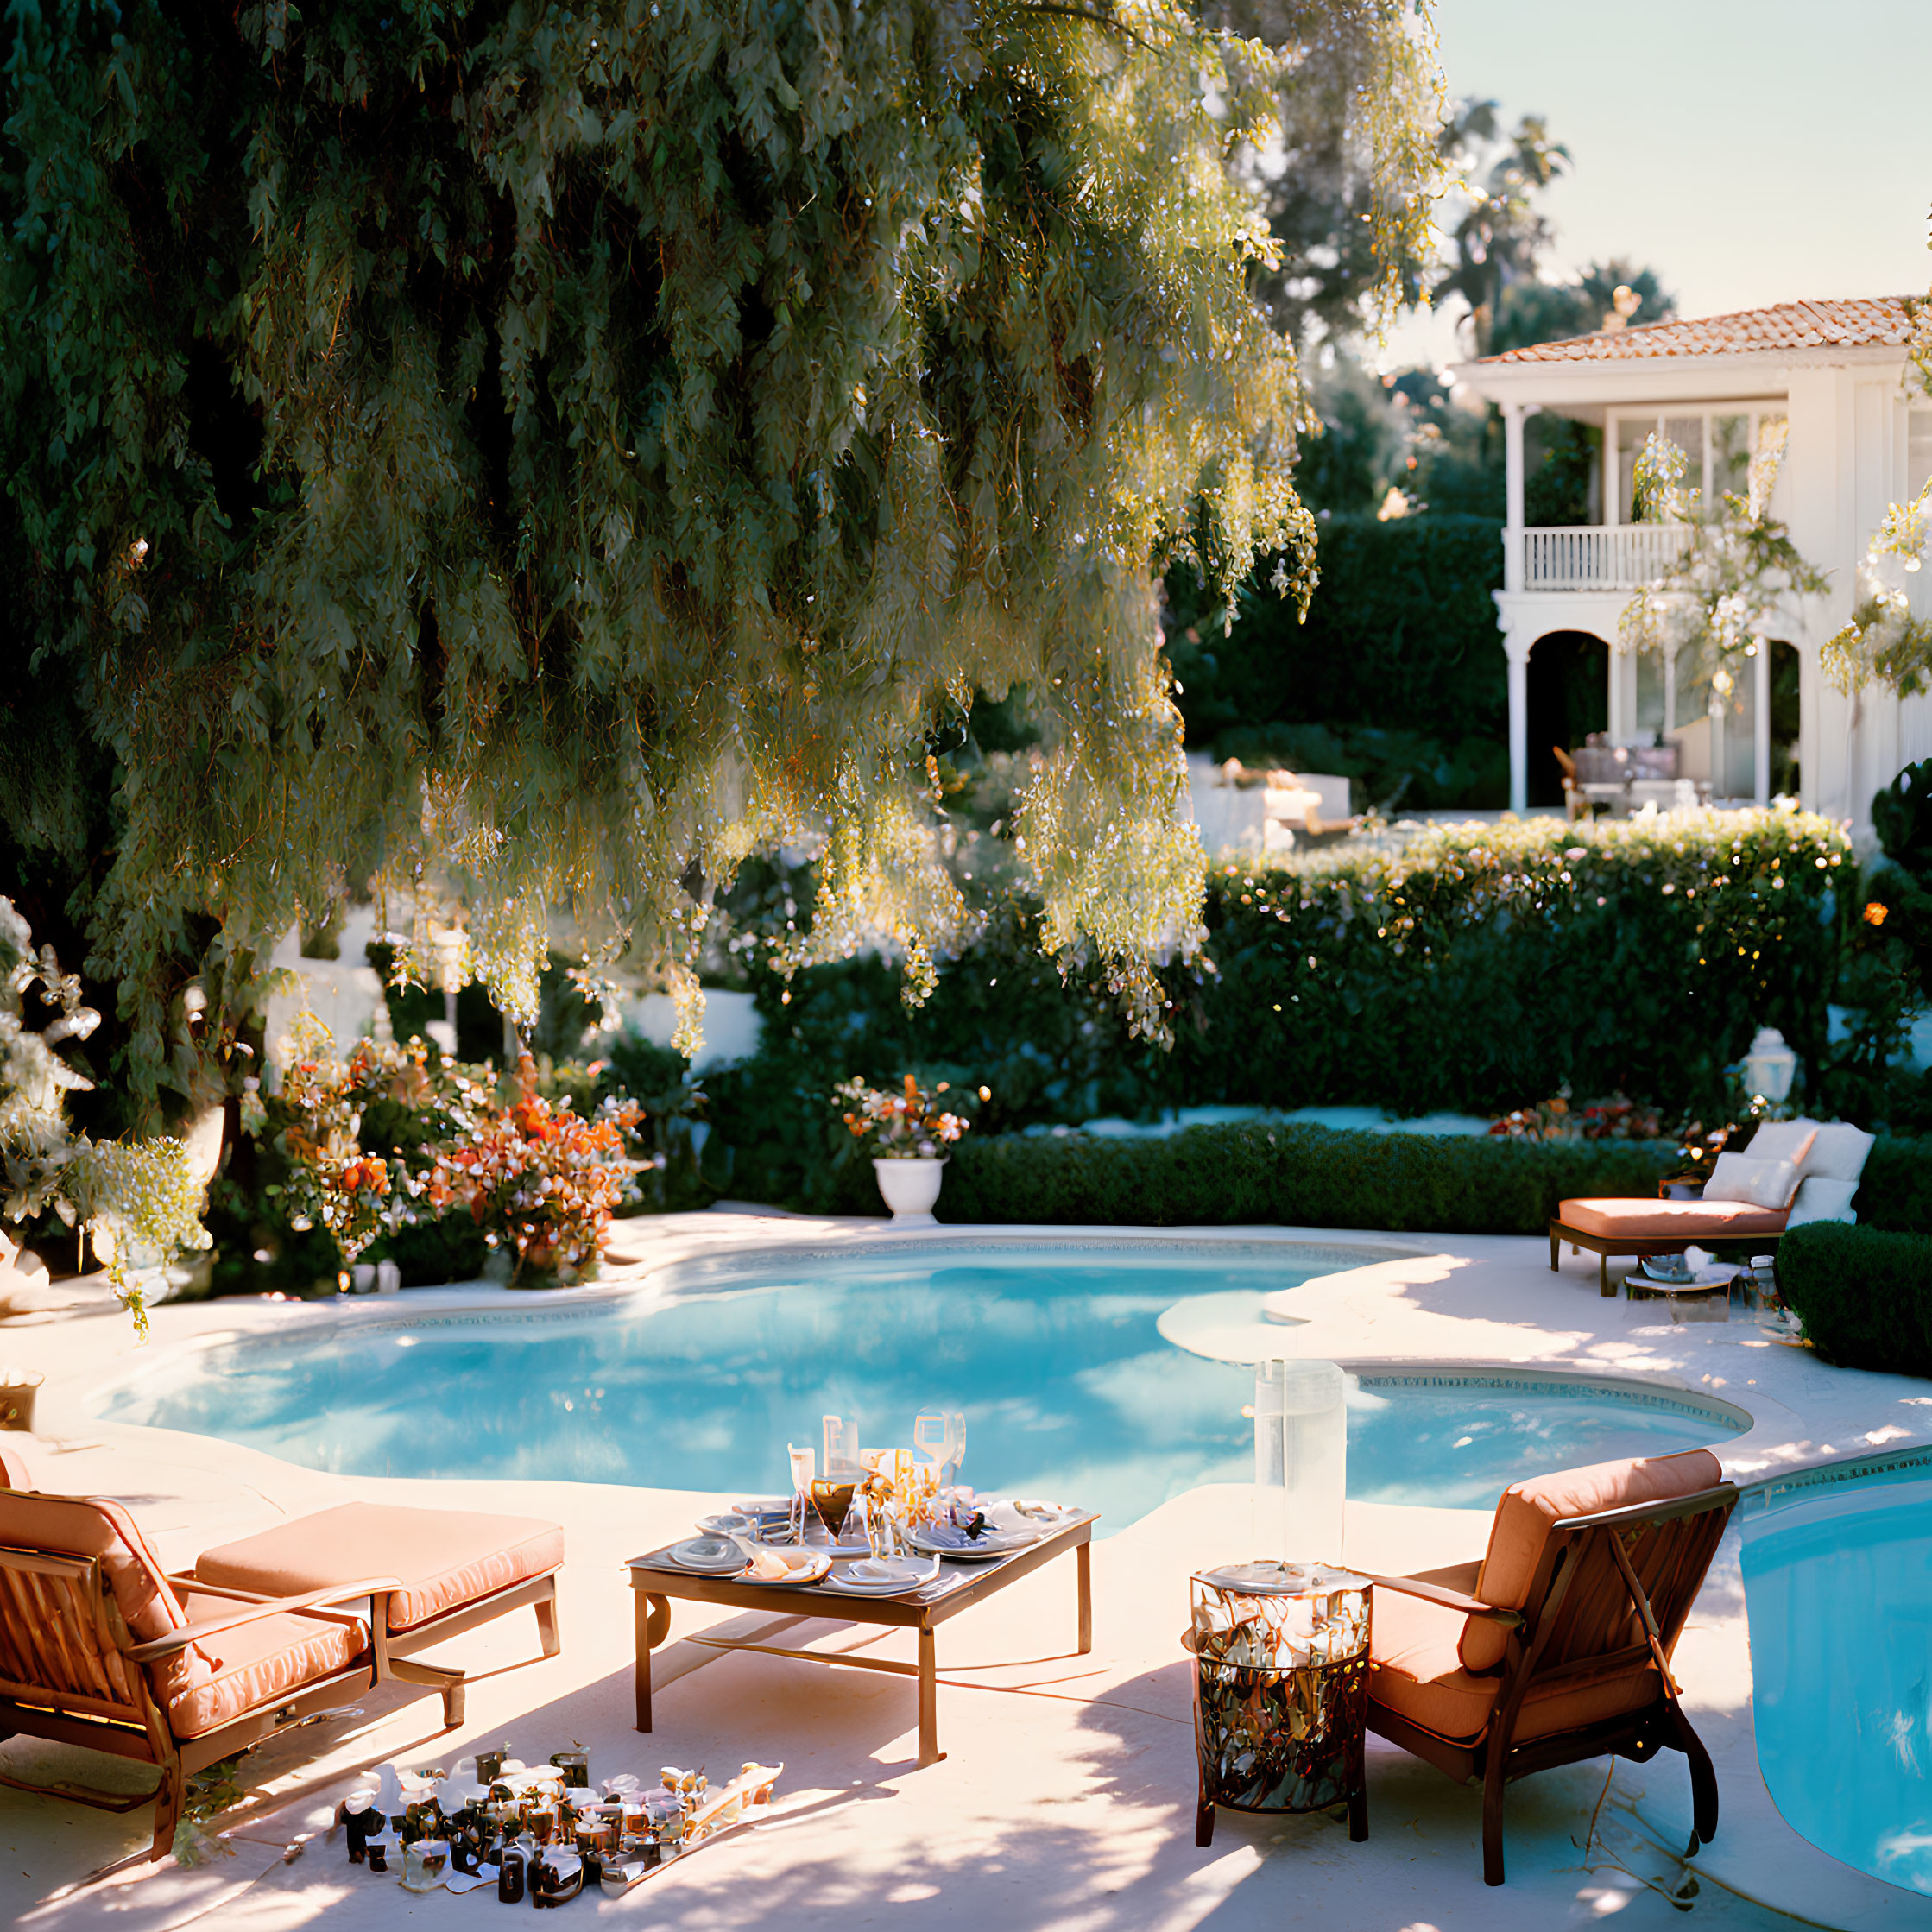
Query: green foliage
point(140, 1200)
point(1400, 637)
point(1501, 234)
point(527, 458)
point(1894, 1191)
point(1865, 1295)
point(1349, 195)
point(1290, 1175)
point(1477, 969)
point(673, 1130)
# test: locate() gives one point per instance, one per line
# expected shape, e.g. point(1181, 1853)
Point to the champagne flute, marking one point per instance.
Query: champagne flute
point(804, 1467)
point(955, 1445)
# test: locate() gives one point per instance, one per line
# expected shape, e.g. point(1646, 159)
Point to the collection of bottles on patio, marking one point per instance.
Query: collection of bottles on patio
point(541, 1832)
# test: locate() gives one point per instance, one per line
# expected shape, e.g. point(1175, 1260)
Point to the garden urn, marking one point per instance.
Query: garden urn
point(910, 1187)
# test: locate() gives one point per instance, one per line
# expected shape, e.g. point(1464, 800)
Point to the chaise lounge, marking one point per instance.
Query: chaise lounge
point(1557, 1648)
point(101, 1647)
point(1793, 1171)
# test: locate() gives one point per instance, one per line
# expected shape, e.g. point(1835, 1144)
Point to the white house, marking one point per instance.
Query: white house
point(1857, 441)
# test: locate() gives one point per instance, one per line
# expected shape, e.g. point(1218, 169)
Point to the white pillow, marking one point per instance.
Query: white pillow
point(1820, 1199)
point(1783, 1140)
point(1838, 1153)
point(1763, 1184)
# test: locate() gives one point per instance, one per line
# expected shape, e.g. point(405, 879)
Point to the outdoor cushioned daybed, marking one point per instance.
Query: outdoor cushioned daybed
point(1793, 1171)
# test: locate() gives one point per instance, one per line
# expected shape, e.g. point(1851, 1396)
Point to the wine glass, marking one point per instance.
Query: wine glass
point(930, 1435)
point(955, 1446)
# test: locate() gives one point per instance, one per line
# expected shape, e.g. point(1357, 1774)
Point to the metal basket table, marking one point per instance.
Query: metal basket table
point(1280, 1659)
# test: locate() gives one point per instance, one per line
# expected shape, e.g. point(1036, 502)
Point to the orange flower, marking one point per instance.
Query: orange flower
point(1876, 914)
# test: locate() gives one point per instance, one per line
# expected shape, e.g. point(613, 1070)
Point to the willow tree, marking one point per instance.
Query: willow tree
point(543, 456)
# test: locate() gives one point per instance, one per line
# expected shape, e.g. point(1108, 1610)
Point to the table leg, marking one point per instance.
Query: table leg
point(1084, 1557)
point(653, 1625)
point(930, 1753)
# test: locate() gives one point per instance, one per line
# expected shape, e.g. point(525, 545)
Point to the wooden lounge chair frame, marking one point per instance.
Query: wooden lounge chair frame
point(1601, 1579)
point(1604, 1246)
point(394, 1649)
point(89, 1684)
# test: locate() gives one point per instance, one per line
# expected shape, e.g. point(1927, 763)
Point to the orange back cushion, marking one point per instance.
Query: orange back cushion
point(90, 1526)
point(1527, 1509)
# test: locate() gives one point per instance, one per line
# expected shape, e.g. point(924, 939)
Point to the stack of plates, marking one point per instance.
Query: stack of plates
point(883, 1575)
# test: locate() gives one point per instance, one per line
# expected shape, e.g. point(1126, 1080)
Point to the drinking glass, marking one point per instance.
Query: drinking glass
point(804, 1467)
point(833, 1502)
point(956, 1446)
point(929, 1435)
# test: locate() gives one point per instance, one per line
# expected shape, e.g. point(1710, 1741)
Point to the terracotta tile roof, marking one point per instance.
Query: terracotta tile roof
point(1874, 322)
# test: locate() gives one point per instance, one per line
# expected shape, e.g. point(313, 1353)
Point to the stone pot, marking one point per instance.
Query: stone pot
point(910, 1188)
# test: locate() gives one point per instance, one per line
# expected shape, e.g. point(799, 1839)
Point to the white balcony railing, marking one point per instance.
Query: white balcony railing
point(1601, 557)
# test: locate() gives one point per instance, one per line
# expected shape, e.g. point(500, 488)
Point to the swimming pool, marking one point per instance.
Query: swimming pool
point(1050, 1351)
point(1838, 1587)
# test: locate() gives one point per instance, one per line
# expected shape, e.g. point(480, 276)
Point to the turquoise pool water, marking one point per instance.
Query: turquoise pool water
point(1052, 1354)
point(1838, 1586)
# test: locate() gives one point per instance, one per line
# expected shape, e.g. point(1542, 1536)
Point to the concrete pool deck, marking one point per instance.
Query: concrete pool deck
point(1067, 1796)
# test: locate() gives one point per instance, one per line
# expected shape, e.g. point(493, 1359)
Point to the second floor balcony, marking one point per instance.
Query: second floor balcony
point(1591, 557)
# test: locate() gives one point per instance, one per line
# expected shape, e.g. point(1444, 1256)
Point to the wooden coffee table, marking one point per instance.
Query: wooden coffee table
point(958, 1586)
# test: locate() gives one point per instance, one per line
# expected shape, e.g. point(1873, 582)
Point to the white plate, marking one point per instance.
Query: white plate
point(728, 1525)
point(882, 1576)
point(803, 1566)
point(986, 1548)
point(1006, 1513)
point(710, 1556)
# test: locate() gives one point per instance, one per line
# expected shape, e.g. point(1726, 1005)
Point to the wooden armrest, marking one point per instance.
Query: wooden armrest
point(1449, 1600)
point(1722, 1496)
point(264, 1607)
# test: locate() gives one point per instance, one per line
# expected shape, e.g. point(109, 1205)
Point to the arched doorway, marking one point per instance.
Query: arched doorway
point(1567, 697)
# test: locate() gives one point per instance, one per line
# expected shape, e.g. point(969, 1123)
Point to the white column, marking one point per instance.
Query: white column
point(1760, 720)
point(1669, 693)
point(1513, 497)
point(1518, 649)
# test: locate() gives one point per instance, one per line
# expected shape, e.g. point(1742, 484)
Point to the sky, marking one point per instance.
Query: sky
point(1752, 151)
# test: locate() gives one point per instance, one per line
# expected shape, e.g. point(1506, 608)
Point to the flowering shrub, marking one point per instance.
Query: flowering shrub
point(141, 1200)
point(1614, 1118)
point(334, 1183)
point(910, 1124)
point(537, 1178)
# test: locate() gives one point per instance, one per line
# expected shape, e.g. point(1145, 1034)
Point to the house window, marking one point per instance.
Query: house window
point(1717, 444)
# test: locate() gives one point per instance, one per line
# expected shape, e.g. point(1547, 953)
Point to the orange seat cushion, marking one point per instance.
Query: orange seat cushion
point(443, 1558)
point(1671, 1224)
point(240, 1671)
point(1521, 1526)
point(1415, 1671)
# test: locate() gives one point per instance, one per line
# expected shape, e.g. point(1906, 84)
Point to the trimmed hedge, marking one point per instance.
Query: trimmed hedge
point(1894, 1191)
point(1864, 1294)
point(1476, 970)
point(1259, 1171)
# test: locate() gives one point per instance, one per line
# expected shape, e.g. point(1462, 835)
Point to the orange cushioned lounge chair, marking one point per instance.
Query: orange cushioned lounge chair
point(1608, 1226)
point(101, 1647)
point(1556, 1647)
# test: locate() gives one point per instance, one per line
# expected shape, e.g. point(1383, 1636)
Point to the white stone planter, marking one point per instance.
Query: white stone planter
point(910, 1187)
